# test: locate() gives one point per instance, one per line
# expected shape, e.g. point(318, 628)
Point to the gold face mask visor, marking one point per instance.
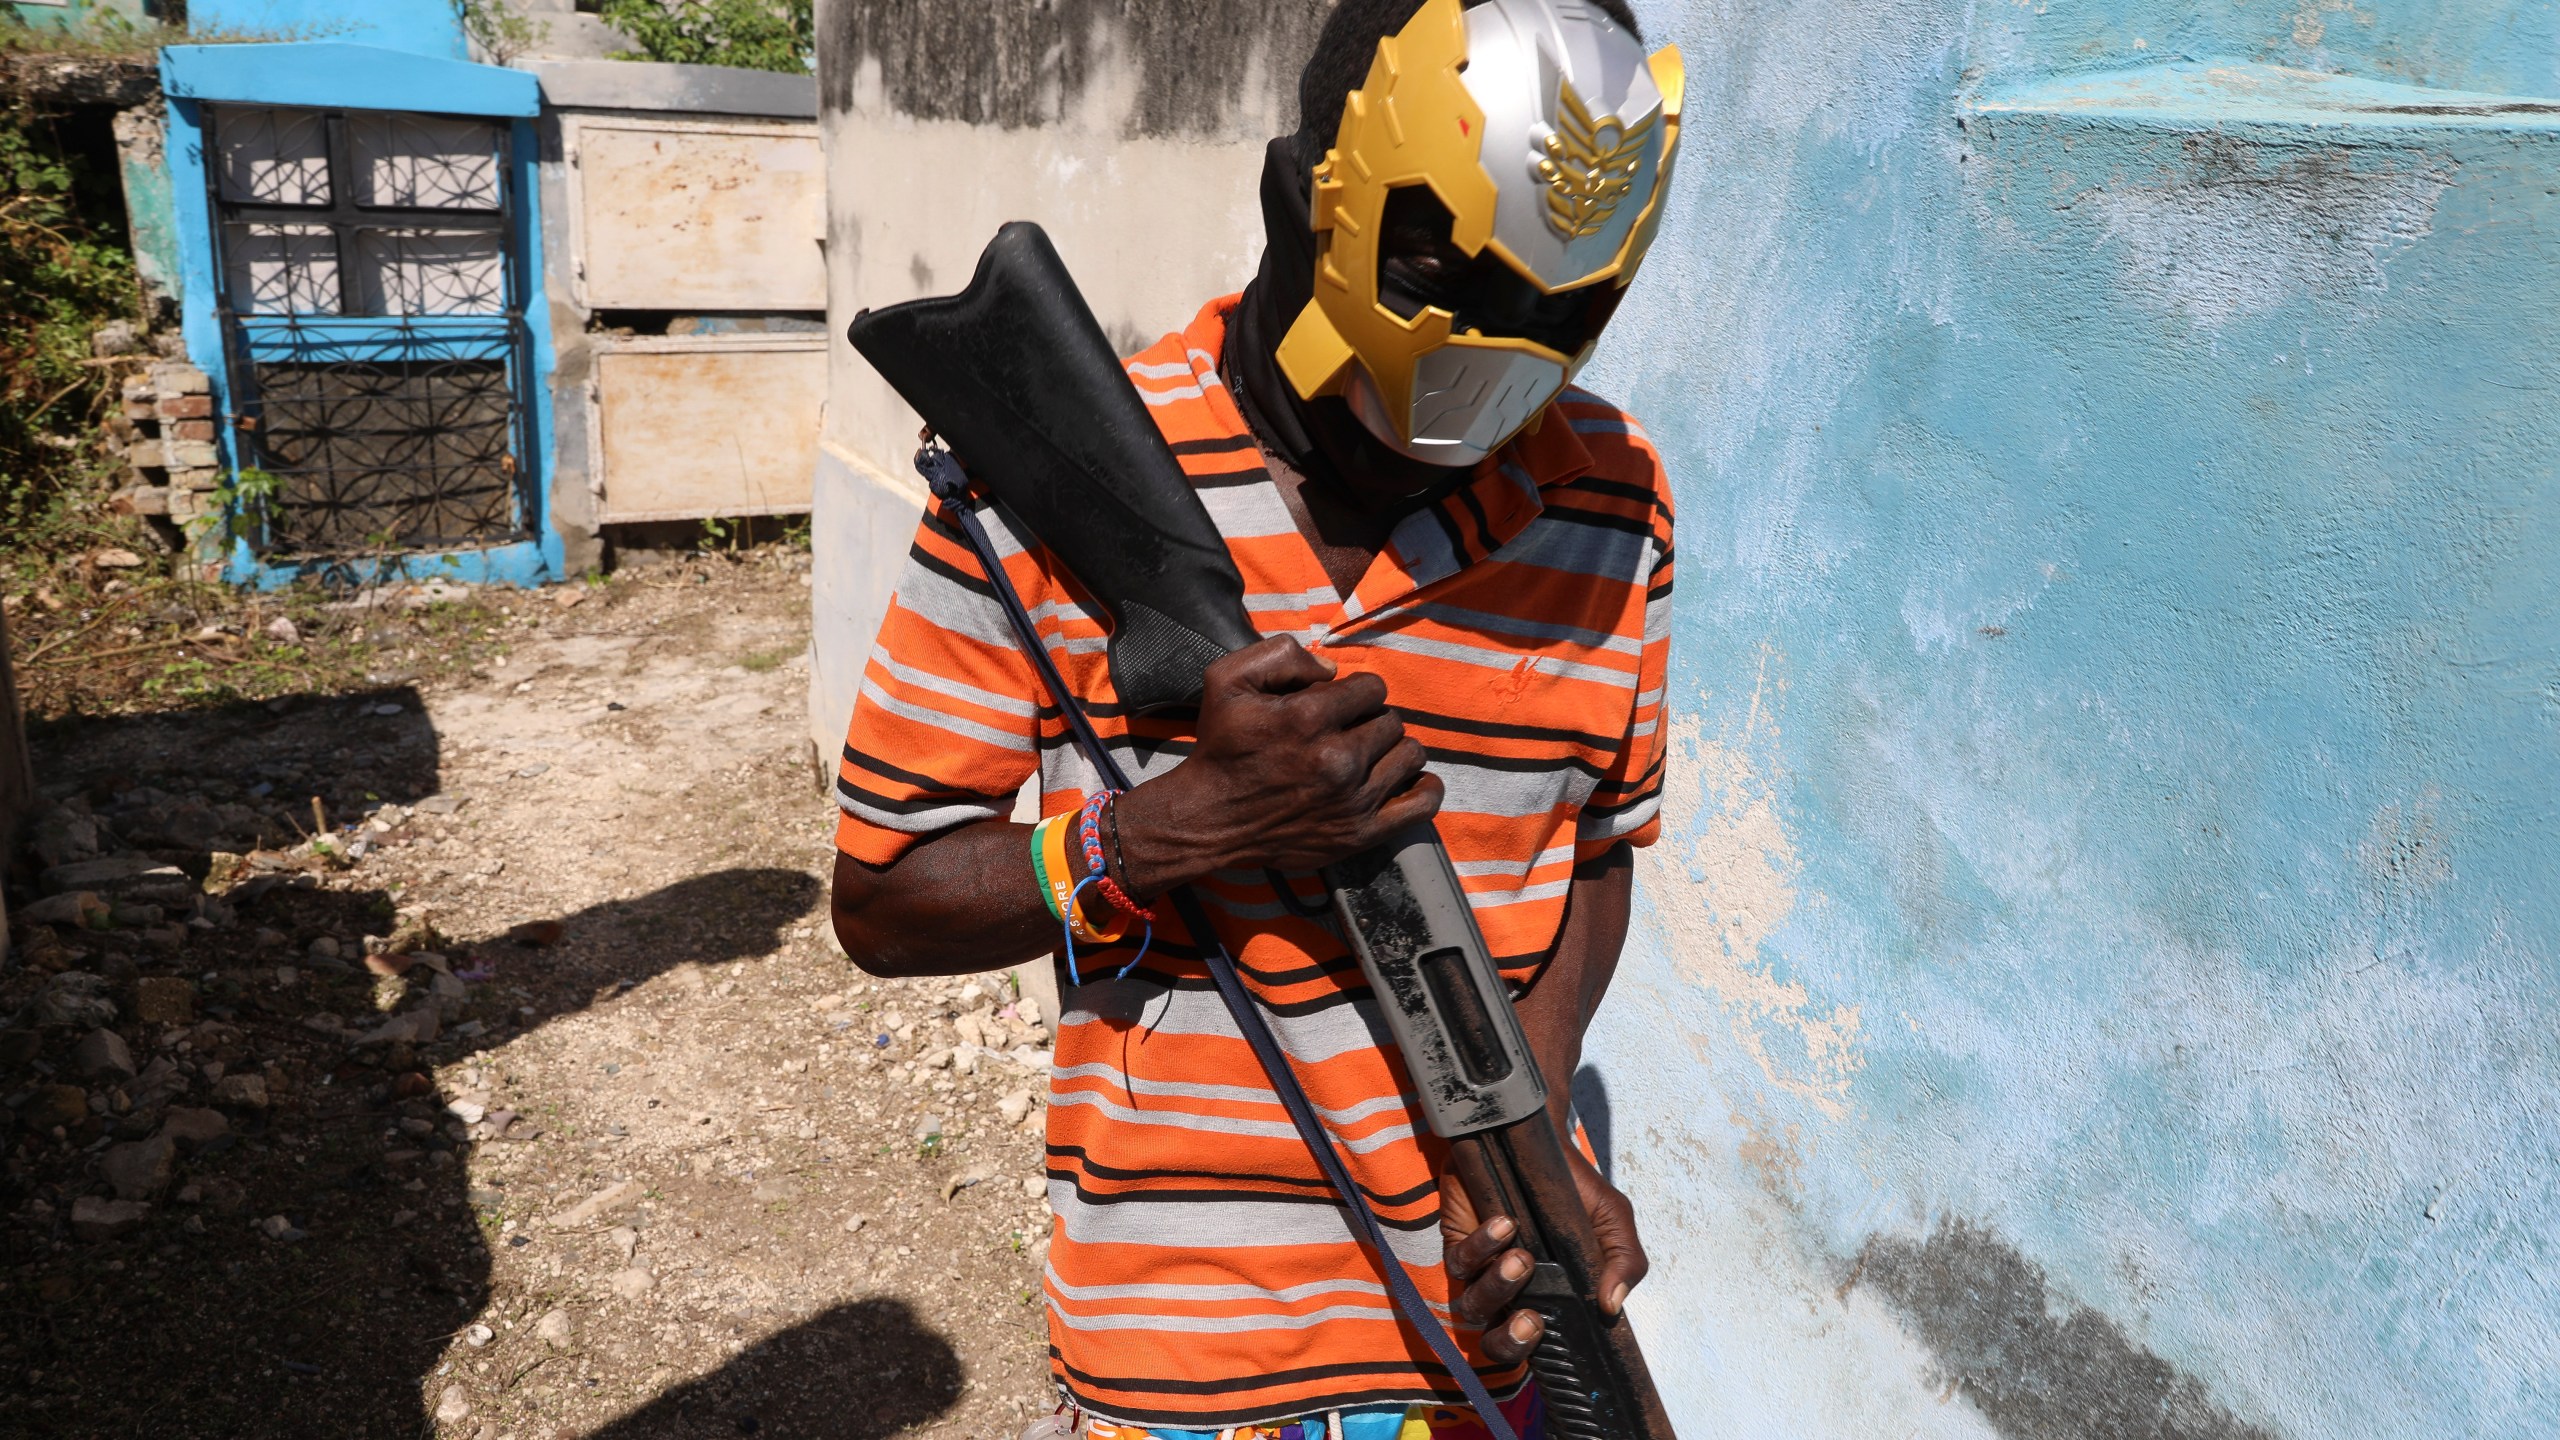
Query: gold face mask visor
point(1548, 136)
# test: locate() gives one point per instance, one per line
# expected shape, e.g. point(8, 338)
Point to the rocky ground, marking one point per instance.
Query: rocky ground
point(471, 1057)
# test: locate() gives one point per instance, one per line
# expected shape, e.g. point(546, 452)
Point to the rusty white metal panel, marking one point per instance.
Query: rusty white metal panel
point(684, 428)
point(694, 214)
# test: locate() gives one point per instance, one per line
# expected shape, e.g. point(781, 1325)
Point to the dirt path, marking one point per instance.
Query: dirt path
point(667, 1163)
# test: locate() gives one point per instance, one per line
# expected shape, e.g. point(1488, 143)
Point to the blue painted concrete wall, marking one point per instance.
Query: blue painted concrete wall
point(422, 27)
point(2098, 978)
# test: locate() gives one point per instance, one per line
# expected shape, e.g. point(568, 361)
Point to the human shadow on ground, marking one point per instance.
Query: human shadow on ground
point(310, 1245)
point(860, 1371)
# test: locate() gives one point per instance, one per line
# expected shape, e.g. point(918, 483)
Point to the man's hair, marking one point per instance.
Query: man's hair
point(1343, 52)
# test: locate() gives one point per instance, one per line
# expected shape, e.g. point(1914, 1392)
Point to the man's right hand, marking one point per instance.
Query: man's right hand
point(1293, 769)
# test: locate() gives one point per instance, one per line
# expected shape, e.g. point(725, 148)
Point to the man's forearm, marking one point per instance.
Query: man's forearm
point(1292, 769)
point(967, 901)
point(1567, 993)
point(955, 905)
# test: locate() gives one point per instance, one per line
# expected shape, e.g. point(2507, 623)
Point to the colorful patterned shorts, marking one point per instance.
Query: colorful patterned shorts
point(1419, 1422)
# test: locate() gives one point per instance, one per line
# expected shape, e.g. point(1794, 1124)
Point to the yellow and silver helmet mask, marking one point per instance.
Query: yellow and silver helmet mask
point(1490, 193)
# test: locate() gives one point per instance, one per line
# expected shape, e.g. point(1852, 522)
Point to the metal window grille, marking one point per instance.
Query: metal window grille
point(355, 438)
point(371, 305)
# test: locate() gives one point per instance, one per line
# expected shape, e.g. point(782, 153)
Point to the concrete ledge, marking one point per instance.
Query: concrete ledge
point(2205, 95)
point(904, 486)
point(697, 89)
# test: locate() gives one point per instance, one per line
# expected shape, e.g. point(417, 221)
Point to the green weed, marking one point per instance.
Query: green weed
point(754, 34)
point(500, 30)
point(64, 271)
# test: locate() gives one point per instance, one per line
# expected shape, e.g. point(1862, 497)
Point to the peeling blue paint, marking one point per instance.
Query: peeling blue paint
point(2118, 649)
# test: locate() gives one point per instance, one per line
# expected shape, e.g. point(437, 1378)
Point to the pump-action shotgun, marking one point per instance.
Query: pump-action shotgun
point(1015, 376)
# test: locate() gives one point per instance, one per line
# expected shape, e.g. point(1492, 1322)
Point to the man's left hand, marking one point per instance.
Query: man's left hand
point(1487, 1268)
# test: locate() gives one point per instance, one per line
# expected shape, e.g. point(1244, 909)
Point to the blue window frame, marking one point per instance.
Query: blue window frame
point(370, 299)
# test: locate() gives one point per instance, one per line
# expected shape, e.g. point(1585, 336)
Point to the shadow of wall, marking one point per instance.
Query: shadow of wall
point(304, 1263)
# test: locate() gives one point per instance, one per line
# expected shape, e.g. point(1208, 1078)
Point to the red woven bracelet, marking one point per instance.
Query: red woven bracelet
point(1089, 836)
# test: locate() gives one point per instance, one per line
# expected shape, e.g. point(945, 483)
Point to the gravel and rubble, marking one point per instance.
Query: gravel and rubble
point(474, 1059)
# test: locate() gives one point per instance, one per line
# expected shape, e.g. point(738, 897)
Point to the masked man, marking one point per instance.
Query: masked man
point(1462, 568)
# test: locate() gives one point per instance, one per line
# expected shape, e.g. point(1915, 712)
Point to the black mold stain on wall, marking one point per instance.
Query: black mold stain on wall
point(1025, 62)
point(2034, 1370)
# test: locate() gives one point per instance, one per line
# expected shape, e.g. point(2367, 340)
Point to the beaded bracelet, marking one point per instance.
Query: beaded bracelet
point(1089, 836)
point(1119, 861)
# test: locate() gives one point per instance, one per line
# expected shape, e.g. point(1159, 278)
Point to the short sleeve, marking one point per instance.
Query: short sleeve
point(945, 728)
point(1626, 805)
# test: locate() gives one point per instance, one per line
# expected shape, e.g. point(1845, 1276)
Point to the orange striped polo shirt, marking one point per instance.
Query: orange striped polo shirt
point(1201, 1273)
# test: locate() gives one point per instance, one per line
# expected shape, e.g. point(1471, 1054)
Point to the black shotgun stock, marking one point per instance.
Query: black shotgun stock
point(1015, 375)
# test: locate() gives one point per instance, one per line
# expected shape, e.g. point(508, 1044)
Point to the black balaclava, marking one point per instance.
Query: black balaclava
point(1280, 288)
point(1319, 438)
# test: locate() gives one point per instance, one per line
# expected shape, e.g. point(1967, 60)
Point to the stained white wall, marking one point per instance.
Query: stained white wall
point(1152, 226)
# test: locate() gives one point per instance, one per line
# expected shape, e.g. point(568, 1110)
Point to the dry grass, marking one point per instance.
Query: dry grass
point(96, 641)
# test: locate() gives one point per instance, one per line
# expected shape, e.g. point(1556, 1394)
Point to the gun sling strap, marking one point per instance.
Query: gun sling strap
point(950, 484)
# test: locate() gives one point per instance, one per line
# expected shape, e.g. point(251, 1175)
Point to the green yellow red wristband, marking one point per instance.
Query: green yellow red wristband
point(1050, 894)
point(1057, 877)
